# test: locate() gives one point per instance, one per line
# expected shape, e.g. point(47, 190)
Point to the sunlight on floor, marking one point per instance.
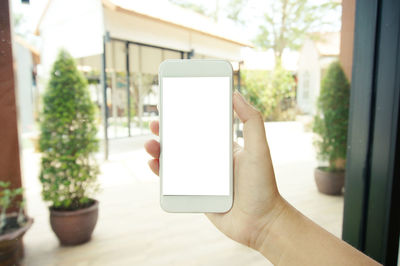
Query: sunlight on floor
point(133, 230)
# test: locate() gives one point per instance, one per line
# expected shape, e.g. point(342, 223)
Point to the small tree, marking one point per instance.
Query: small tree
point(68, 138)
point(287, 22)
point(331, 120)
point(267, 90)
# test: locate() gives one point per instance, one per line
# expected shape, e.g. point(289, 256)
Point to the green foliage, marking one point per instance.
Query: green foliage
point(68, 138)
point(269, 91)
point(7, 199)
point(331, 121)
point(288, 22)
point(234, 9)
point(198, 8)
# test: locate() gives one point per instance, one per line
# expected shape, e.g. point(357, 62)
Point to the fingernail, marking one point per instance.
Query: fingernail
point(239, 96)
point(236, 94)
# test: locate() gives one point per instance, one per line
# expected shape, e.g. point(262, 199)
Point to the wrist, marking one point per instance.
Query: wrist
point(280, 234)
point(273, 217)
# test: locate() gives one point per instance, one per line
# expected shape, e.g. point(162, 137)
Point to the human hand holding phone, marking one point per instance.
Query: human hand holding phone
point(256, 198)
point(260, 218)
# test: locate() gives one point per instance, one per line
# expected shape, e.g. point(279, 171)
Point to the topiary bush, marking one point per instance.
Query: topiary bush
point(68, 138)
point(331, 120)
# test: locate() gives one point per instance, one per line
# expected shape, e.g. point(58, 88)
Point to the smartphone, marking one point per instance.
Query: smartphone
point(196, 162)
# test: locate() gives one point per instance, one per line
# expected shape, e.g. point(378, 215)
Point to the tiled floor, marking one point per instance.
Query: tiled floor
point(133, 230)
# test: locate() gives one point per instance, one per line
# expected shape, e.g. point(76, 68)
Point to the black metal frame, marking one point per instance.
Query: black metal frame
point(106, 39)
point(239, 133)
point(105, 107)
point(128, 92)
point(371, 211)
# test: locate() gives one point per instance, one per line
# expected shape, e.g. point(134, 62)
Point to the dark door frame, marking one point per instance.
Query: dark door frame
point(371, 208)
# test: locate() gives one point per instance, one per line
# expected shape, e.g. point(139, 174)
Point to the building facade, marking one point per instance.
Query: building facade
point(315, 57)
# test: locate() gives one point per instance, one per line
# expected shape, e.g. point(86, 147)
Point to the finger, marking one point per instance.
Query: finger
point(255, 140)
point(154, 165)
point(153, 148)
point(154, 127)
point(236, 147)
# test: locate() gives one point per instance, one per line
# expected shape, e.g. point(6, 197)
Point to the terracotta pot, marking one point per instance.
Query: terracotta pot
point(74, 227)
point(10, 243)
point(330, 183)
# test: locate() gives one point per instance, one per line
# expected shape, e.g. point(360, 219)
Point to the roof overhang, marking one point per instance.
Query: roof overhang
point(116, 8)
point(35, 53)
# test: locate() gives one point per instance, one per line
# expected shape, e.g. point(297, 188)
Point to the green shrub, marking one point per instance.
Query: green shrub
point(9, 198)
point(331, 120)
point(68, 138)
point(270, 92)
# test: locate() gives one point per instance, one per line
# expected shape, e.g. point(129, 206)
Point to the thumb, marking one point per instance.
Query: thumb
point(253, 126)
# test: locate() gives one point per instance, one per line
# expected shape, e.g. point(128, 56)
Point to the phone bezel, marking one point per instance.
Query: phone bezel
point(196, 68)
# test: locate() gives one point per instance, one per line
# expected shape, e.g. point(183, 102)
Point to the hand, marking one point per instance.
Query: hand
point(257, 202)
point(260, 218)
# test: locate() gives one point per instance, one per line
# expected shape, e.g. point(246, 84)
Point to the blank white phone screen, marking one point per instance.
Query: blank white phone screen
point(196, 136)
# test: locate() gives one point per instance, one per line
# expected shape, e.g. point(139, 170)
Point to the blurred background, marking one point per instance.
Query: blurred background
point(280, 51)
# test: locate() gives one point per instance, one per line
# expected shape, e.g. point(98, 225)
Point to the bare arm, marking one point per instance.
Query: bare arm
point(260, 218)
point(293, 239)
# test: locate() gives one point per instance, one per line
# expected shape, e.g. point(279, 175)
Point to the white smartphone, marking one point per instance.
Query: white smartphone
point(196, 164)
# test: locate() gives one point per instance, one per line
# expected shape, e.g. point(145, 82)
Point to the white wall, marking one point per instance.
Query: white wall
point(144, 30)
point(74, 25)
point(25, 90)
point(309, 78)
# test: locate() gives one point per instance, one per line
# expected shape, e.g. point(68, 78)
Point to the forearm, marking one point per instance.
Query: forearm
point(293, 239)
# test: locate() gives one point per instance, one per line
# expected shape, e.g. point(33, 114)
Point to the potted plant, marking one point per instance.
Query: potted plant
point(12, 225)
point(330, 124)
point(68, 142)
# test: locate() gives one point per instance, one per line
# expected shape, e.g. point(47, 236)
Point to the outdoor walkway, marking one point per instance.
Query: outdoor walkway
point(133, 230)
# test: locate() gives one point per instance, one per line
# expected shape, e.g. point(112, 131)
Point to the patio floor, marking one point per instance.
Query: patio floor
point(133, 230)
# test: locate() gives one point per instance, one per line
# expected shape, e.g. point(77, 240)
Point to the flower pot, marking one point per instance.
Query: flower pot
point(330, 183)
point(74, 227)
point(10, 242)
